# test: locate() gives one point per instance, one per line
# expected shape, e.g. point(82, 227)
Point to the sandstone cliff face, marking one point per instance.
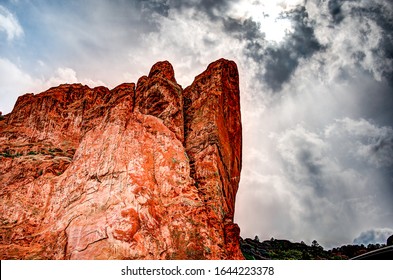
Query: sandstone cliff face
point(137, 172)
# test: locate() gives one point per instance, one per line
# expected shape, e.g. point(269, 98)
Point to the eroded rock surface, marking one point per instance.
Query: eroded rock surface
point(136, 172)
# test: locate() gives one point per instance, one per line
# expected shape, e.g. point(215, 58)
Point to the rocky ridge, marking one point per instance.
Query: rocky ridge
point(145, 171)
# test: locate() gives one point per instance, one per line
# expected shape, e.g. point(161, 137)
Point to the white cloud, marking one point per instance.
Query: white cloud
point(9, 24)
point(62, 75)
point(268, 16)
point(356, 40)
point(303, 150)
point(189, 41)
point(365, 141)
point(65, 75)
point(306, 181)
point(374, 236)
point(15, 82)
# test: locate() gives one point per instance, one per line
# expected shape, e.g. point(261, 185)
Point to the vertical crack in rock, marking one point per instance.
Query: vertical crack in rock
point(151, 171)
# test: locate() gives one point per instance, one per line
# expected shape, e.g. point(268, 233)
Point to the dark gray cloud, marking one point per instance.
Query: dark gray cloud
point(364, 141)
point(335, 10)
point(277, 62)
point(147, 7)
point(283, 60)
point(243, 29)
point(280, 61)
point(384, 19)
point(382, 149)
point(215, 9)
point(368, 13)
point(303, 157)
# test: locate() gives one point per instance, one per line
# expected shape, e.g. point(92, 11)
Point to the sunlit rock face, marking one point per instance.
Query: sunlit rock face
point(146, 171)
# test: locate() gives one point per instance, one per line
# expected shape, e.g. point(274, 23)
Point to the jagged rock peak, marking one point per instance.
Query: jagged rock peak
point(164, 70)
point(159, 95)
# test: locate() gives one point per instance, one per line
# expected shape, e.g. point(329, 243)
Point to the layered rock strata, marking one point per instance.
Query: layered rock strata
point(137, 172)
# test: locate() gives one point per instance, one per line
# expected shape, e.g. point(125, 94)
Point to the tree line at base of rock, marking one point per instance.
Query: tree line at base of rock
point(279, 249)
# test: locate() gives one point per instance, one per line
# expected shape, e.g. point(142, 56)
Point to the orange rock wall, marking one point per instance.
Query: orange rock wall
point(137, 172)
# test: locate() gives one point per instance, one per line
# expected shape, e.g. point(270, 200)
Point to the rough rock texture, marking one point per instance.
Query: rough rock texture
point(159, 95)
point(213, 142)
point(145, 172)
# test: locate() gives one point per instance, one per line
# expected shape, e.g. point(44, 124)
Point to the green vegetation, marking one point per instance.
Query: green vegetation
point(248, 256)
point(275, 249)
point(291, 254)
point(8, 154)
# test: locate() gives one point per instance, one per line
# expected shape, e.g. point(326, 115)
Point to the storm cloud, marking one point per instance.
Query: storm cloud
point(282, 60)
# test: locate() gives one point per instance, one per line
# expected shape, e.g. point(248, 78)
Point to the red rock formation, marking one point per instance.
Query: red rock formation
point(213, 143)
point(124, 173)
point(159, 95)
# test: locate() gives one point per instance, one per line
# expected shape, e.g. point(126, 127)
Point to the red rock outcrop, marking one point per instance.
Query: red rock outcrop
point(159, 95)
point(145, 172)
point(213, 143)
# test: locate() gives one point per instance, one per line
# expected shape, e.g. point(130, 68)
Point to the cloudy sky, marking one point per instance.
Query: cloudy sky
point(316, 90)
